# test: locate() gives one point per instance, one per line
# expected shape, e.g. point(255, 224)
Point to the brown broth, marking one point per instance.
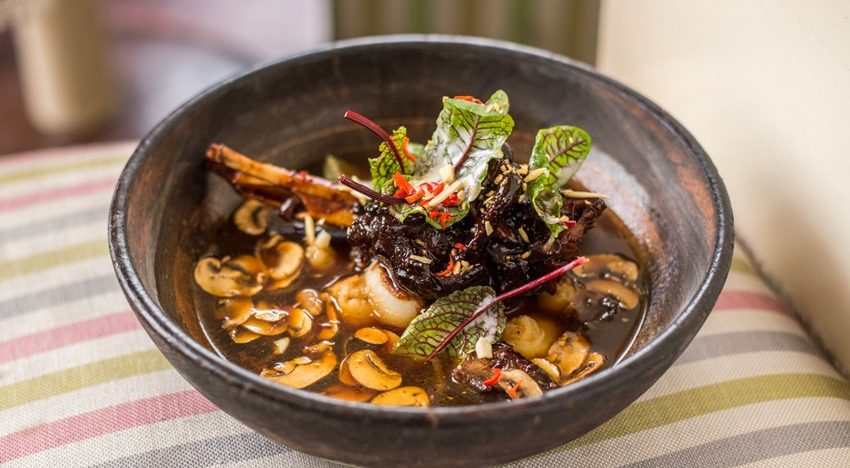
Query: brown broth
point(612, 335)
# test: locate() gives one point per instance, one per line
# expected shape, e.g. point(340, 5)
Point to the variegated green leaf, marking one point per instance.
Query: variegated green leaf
point(468, 136)
point(560, 151)
point(387, 163)
point(429, 328)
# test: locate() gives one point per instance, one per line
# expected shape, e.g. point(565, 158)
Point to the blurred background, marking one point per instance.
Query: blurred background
point(764, 86)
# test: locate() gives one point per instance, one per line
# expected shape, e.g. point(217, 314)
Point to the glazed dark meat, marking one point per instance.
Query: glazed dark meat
point(496, 250)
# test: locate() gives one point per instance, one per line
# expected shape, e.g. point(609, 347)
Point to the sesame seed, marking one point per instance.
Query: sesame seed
point(456, 269)
point(525, 255)
point(499, 178)
point(535, 174)
point(421, 259)
point(523, 169)
point(525, 187)
point(488, 228)
point(521, 198)
point(522, 234)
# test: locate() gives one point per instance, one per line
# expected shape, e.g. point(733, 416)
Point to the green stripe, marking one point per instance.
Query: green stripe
point(43, 171)
point(740, 265)
point(52, 258)
point(75, 378)
point(699, 401)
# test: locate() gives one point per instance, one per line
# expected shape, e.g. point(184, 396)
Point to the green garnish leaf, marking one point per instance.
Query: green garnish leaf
point(428, 329)
point(560, 151)
point(387, 163)
point(468, 135)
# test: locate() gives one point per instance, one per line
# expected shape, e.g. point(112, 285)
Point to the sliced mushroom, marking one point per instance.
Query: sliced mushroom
point(252, 217)
point(602, 265)
point(240, 335)
point(627, 297)
point(531, 336)
point(299, 373)
point(549, 368)
point(269, 313)
point(281, 345)
point(371, 335)
point(240, 276)
point(518, 384)
point(344, 373)
point(569, 352)
point(594, 362)
point(284, 260)
point(309, 300)
point(348, 393)
point(262, 327)
point(236, 311)
point(319, 348)
point(352, 301)
point(330, 327)
point(403, 396)
point(299, 321)
point(392, 306)
point(558, 296)
point(369, 370)
point(392, 339)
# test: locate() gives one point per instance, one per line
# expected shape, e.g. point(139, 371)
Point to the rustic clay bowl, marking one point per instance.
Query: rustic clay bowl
point(662, 185)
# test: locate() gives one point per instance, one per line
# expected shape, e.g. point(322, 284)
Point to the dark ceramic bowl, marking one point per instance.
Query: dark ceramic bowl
point(662, 185)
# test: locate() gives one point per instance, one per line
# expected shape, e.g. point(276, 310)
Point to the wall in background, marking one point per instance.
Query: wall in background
point(564, 26)
point(765, 87)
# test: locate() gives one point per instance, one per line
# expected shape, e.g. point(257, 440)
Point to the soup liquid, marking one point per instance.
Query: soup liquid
point(611, 335)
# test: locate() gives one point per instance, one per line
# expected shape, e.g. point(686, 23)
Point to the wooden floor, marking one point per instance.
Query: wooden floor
point(165, 51)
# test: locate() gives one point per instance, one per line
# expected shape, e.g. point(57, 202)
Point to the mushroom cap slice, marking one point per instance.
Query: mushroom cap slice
point(298, 373)
point(299, 321)
point(252, 217)
point(262, 327)
point(519, 379)
point(569, 352)
point(403, 396)
point(348, 393)
point(369, 370)
point(330, 327)
point(284, 259)
point(345, 374)
point(627, 297)
point(601, 265)
point(593, 363)
point(240, 335)
point(371, 335)
point(241, 276)
point(236, 311)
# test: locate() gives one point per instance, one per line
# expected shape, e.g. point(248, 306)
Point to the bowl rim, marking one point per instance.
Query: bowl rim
point(681, 330)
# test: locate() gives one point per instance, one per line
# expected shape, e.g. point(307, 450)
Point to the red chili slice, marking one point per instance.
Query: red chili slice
point(469, 98)
point(497, 374)
point(448, 270)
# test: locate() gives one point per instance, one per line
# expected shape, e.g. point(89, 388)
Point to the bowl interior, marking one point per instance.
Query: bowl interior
point(291, 114)
point(662, 186)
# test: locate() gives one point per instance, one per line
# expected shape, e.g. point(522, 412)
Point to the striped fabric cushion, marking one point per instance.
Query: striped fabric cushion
point(81, 384)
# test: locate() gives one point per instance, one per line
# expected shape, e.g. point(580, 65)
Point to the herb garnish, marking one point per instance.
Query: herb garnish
point(453, 323)
point(557, 154)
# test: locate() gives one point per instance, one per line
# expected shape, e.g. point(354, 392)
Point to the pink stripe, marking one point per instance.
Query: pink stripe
point(730, 300)
point(21, 201)
point(67, 335)
point(67, 152)
point(103, 421)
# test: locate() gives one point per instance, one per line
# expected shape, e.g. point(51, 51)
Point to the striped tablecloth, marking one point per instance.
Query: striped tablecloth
point(82, 385)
